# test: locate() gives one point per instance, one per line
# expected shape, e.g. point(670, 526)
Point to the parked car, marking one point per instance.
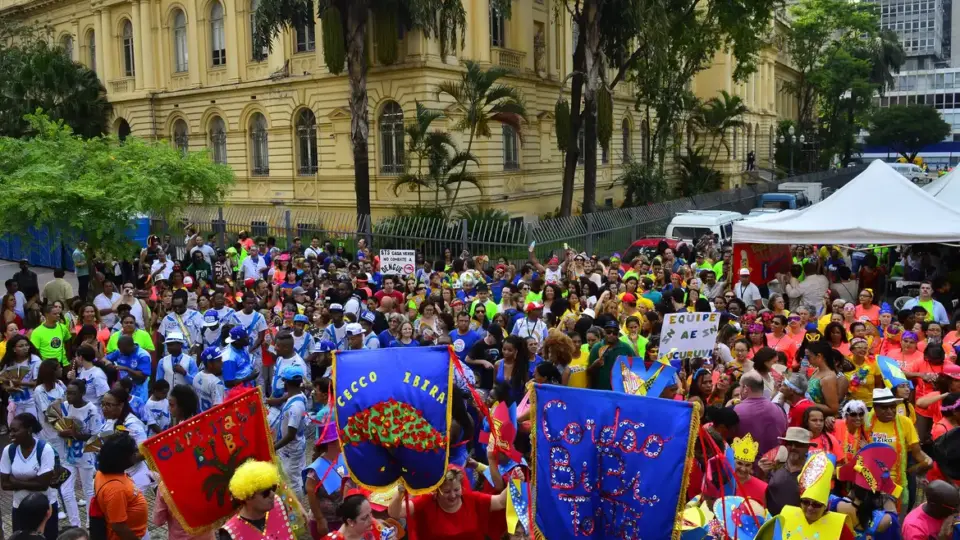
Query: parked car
point(647, 247)
point(693, 224)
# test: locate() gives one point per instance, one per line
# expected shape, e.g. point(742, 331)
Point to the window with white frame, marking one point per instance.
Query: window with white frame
point(305, 36)
point(180, 52)
point(218, 41)
point(129, 70)
point(307, 160)
point(391, 139)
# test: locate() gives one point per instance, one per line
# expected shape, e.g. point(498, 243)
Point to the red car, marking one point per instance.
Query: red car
point(648, 247)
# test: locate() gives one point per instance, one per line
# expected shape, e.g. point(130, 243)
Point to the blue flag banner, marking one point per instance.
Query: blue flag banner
point(632, 376)
point(608, 465)
point(393, 415)
point(893, 376)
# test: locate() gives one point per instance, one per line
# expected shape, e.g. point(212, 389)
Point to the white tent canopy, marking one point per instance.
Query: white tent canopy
point(946, 189)
point(879, 206)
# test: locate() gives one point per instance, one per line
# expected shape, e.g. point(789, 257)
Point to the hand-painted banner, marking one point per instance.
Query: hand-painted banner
point(608, 465)
point(393, 415)
point(688, 335)
point(765, 261)
point(632, 376)
point(195, 459)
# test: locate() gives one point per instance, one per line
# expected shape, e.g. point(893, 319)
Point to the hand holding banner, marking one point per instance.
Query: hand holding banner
point(393, 415)
point(608, 465)
point(688, 335)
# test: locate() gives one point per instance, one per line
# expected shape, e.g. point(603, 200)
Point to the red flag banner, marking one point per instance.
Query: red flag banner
point(195, 459)
point(765, 261)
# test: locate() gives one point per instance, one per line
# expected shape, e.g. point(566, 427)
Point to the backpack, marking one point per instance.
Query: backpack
point(60, 474)
point(97, 525)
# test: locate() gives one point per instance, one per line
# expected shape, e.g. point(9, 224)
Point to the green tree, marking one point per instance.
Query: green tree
point(716, 118)
point(642, 185)
point(35, 75)
point(907, 128)
point(696, 175)
point(346, 25)
point(484, 101)
point(97, 186)
point(658, 46)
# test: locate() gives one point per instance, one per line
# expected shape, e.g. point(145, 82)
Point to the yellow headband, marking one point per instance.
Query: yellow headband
point(745, 449)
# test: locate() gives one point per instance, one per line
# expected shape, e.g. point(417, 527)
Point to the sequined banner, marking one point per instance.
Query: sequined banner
point(608, 465)
point(393, 415)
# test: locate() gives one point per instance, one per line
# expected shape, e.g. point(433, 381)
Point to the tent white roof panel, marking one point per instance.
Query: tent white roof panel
point(878, 206)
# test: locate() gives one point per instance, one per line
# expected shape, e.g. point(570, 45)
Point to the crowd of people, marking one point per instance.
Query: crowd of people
point(827, 442)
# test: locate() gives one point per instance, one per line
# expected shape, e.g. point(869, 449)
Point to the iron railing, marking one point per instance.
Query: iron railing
point(603, 233)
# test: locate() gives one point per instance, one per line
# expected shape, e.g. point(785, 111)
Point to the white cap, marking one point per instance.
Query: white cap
point(174, 337)
point(354, 329)
point(744, 271)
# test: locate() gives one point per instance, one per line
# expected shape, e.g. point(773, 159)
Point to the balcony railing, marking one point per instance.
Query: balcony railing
point(120, 86)
point(509, 58)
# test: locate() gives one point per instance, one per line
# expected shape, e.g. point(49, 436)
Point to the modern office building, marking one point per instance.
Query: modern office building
point(184, 71)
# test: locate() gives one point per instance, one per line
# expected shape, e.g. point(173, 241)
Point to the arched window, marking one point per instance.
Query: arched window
point(391, 138)
point(181, 136)
point(254, 4)
point(218, 140)
point(217, 39)
point(66, 43)
point(128, 68)
point(511, 149)
point(258, 145)
point(307, 143)
point(123, 130)
point(625, 139)
point(306, 37)
point(92, 50)
point(180, 55)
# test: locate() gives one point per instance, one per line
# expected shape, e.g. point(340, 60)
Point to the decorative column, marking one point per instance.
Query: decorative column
point(101, 31)
point(480, 24)
point(146, 43)
point(137, 47)
point(233, 21)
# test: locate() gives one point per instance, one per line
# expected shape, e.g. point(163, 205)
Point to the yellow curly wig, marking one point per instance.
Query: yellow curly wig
point(253, 476)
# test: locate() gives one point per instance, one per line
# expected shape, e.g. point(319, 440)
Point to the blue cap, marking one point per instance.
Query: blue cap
point(236, 334)
point(211, 318)
point(324, 346)
point(290, 373)
point(811, 327)
point(301, 318)
point(368, 316)
point(885, 308)
point(210, 353)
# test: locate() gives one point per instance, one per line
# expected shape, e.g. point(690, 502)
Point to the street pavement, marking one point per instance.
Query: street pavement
point(44, 275)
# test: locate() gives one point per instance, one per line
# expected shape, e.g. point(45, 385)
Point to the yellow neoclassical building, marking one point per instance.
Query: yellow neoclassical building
point(184, 71)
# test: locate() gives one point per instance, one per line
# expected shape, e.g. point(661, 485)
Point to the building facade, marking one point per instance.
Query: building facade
point(185, 71)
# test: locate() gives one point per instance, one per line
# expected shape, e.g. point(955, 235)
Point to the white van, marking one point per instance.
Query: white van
point(694, 224)
point(911, 172)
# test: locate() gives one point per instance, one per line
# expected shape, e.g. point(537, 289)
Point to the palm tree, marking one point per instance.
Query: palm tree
point(886, 55)
point(716, 118)
point(483, 101)
point(445, 19)
point(432, 159)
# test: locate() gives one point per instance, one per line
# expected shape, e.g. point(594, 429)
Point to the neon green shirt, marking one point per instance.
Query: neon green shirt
point(51, 342)
point(140, 337)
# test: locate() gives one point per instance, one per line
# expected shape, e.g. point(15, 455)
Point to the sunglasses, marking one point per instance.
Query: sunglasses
point(856, 414)
point(268, 492)
point(812, 504)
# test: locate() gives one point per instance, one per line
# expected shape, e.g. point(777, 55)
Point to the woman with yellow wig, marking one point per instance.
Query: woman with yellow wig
point(262, 514)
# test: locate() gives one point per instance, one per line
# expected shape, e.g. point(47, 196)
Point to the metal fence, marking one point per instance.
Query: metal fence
point(601, 233)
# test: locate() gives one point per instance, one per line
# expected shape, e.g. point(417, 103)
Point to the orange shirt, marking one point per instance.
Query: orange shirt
point(784, 344)
point(904, 360)
point(872, 314)
point(923, 387)
point(121, 501)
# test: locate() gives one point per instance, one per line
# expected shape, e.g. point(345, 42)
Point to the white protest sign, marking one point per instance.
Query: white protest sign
point(401, 262)
point(688, 335)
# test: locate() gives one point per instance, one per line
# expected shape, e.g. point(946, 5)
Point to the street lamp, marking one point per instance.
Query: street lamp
point(791, 139)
